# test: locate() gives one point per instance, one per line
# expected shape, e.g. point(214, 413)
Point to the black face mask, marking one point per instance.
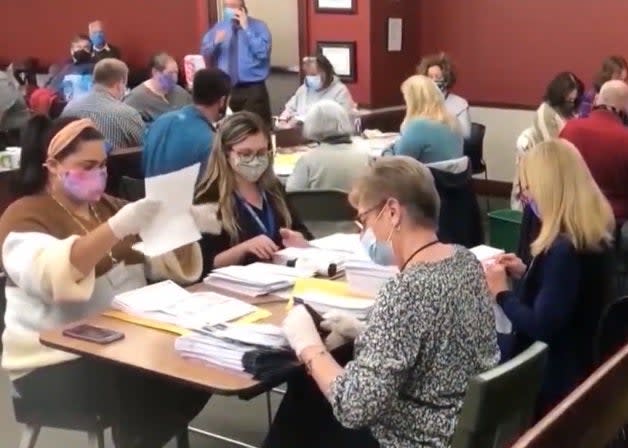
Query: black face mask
point(81, 56)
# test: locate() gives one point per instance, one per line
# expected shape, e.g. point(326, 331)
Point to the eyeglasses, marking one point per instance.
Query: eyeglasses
point(360, 219)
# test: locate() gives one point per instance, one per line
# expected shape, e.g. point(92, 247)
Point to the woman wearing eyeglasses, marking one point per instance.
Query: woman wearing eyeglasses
point(430, 330)
point(257, 220)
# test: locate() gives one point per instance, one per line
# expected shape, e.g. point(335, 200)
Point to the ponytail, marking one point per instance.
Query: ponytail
point(32, 174)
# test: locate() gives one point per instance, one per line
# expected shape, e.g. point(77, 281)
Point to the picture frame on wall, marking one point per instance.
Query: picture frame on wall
point(335, 6)
point(342, 56)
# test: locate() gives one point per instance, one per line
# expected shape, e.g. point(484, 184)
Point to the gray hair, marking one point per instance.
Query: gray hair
point(327, 119)
point(158, 61)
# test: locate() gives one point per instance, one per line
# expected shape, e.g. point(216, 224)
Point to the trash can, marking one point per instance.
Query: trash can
point(504, 227)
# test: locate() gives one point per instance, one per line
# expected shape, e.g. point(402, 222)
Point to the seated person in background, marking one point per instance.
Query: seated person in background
point(257, 220)
point(161, 93)
point(336, 161)
point(121, 125)
point(181, 138)
point(565, 287)
point(439, 69)
point(428, 133)
point(13, 110)
point(613, 67)
point(602, 139)
point(320, 83)
point(101, 49)
point(422, 341)
point(80, 65)
point(66, 250)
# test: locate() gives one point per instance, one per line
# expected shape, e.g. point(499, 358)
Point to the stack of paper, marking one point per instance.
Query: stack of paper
point(253, 280)
point(169, 303)
point(285, 163)
point(323, 303)
point(323, 262)
point(347, 244)
point(486, 253)
point(225, 345)
point(367, 277)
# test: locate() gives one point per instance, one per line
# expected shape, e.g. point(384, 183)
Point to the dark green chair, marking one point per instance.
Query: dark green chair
point(324, 212)
point(499, 404)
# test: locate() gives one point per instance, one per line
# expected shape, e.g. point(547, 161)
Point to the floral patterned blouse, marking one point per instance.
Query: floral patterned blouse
point(432, 328)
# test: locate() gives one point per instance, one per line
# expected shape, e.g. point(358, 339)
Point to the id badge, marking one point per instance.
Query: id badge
point(117, 275)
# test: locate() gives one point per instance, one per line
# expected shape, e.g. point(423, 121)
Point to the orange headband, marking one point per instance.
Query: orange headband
point(65, 136)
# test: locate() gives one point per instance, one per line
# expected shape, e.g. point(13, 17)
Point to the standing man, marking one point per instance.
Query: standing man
point(240, 46)
point(101, 48)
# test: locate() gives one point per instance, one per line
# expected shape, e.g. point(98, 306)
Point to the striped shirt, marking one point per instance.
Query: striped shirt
point(121, 125)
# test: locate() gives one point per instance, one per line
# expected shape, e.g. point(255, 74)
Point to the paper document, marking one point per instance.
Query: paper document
point(284, 163)
point(253, 280)
point(485, 253)
point(346, 243)
point(173, 226)
point(169, 303)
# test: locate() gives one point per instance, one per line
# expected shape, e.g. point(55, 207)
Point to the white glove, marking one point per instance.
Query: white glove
point(335, 340)
point(206, 219)
point(132, 217)
point(298, 327)
point(343, 324)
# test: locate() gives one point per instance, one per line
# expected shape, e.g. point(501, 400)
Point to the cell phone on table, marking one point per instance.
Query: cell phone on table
point(94, 334)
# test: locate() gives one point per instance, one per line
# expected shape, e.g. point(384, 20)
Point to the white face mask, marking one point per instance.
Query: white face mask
point(379, 252)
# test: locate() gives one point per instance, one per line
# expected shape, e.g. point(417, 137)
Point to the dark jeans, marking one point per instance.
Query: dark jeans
point(305, 418)
point(145, 411)
point(252, 97)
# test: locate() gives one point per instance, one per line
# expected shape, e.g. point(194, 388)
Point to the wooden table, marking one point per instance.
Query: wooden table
point(153, 352)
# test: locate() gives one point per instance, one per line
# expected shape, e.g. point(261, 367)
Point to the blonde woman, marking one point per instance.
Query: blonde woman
point(428, 133)
point(563, 290)
point(257, 220)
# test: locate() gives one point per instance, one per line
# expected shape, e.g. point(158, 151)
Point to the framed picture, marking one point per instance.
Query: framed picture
point(342, 57)
point(336, 6)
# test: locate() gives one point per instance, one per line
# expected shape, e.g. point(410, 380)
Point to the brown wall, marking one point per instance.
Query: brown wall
point(507, 51)
point(44, 28)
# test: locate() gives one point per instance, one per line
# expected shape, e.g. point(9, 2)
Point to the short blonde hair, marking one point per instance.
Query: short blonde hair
point(424, 100)
point(110, 71)
point(568, 198)
point(403, 178)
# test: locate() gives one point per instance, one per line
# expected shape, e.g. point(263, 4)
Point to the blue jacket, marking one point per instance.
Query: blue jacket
point(428, 141)
point(254, 47)
point(176, 140)
point(559, 301)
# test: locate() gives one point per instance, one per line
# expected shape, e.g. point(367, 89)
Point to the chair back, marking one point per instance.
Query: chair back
point(131, 189)
point(499, 404)
point(323, 211)
point(474, 148)
point(3, 305)
point(612, 330)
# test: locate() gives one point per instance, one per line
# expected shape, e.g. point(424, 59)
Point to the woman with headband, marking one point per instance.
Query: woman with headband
point(66, 250)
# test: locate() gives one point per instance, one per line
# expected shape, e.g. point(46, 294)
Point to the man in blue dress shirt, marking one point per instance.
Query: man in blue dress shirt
point(240, 46)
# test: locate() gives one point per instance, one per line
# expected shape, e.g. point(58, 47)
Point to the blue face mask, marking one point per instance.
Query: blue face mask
point(98, 39)
point(379, 252)
point(314, 82)
point(229, 14)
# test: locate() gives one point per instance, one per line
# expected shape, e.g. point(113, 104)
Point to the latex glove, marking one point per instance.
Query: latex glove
point(343, 324)
point(132, 217)
point(299, 329)
point(206, 219)
point(513, 264)
point(335, 340)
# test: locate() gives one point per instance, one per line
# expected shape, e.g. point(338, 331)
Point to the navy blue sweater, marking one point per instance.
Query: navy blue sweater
point(559, 301)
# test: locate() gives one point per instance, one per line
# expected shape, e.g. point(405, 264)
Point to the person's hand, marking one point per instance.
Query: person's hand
point(242, 17)
point(290, 238)
point(298, 327)
point(262, 247)
point(132, 217)
point(496, 278)
point(220, 37)
point(343, 324)
point(515, 267)
point(206, 219)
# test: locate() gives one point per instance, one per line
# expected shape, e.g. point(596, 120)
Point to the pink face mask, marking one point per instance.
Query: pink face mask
point(85, 185)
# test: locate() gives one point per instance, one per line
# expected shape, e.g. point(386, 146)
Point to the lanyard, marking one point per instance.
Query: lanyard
point(267, 228)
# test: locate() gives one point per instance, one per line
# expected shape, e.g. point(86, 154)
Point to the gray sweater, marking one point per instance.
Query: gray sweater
point(304, 98)
point(328, 167)
point(150, 105)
